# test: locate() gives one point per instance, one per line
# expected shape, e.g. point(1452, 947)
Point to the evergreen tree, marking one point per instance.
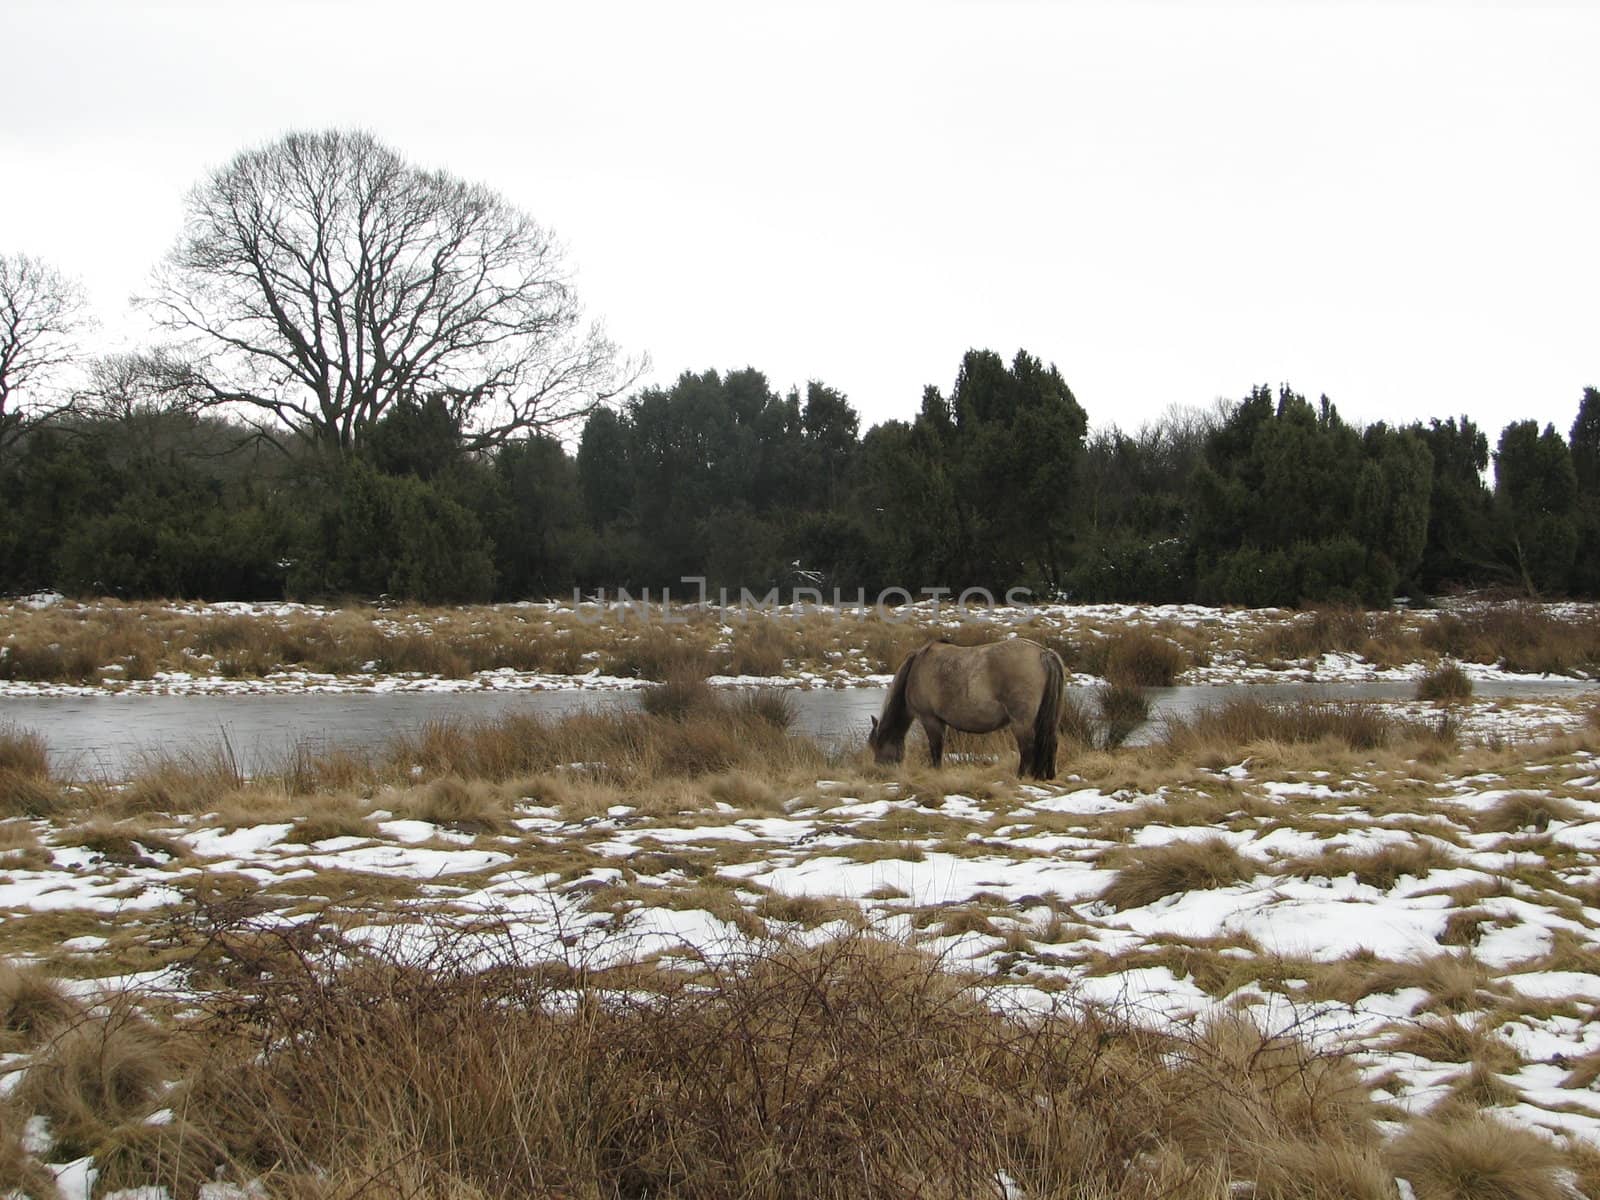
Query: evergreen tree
point(1536, 506)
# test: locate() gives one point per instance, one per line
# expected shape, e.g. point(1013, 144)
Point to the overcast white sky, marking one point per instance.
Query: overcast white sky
point(1394, 204)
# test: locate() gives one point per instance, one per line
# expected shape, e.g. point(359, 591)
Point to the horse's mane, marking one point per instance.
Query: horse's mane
point(896, 716)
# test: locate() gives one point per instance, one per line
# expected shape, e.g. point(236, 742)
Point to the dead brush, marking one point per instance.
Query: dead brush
point(1471, 1156)
point(850, 1068)
point(1146, 874)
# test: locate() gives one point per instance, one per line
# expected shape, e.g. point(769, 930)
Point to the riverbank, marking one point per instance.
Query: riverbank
point(51, 646)
point(1373, 895)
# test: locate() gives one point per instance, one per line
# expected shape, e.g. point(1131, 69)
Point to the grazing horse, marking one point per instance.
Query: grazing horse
point(1015, 685)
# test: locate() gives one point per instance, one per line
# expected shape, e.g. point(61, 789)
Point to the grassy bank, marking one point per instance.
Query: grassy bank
point(110, 644)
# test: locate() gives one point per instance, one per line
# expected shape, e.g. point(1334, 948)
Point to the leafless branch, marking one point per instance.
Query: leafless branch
point(322, 278)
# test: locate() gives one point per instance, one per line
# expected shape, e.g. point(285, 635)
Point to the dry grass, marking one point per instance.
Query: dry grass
point(855, 1067)
point(1122, 709)
point(1454, 983)
point(100, 1071)
point(1451, 1040)
point(1146, 874)
point(1525, 810)
point(1139, 658)
point(26, 789)
point(759, 648)
point(1518, 637)
point(1381, 868)
point(475, 806)
point(126, 843)
point(1445, 682)
point(1246, 721)
point(32, 1005)
point(1475, 1157)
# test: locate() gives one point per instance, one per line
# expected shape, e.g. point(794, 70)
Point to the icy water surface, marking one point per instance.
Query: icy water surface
point(107, 735)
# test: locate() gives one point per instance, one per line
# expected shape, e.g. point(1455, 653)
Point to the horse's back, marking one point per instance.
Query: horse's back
point(978, 688)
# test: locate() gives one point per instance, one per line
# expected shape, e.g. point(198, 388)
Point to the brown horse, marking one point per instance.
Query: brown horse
point(1015, 685)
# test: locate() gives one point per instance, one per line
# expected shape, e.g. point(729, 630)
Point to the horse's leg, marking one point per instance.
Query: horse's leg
point(934, 728)
point(1024, 735)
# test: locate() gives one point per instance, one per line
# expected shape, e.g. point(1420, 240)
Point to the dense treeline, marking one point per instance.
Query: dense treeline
point(365, 368)
point(999, 483)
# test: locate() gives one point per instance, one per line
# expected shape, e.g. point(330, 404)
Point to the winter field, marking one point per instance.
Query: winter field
point(1317, 949)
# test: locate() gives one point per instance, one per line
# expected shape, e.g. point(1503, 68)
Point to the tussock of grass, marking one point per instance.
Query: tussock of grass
point(1455, 1157)
point(183, 783)
point(1122, 709)
point(1454, 982)
point(26, 789)
point(1146, 874)
point(1447, 681)
point(771, 706)
point(1138, 658)
point(32, 1005)
point(101, 1071)
point(680, 696)
point(1449, 1039)
point(759, 648)
point(1381, 868)
point(1244, 721)
point(469, 807)
point(124, 842)
point(335, 818)
point(1525, 810)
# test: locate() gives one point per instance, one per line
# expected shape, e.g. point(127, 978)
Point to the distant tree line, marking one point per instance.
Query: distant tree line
point(370, 369)
point(1269, 500)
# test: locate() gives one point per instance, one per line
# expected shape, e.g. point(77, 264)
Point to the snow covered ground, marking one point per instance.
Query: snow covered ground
point(1397, 910)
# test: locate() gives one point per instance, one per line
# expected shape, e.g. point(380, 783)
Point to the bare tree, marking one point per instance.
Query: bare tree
point(322, 278)
point(42, 314)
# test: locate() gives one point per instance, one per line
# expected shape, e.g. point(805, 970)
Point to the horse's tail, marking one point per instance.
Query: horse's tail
point(1048, 717)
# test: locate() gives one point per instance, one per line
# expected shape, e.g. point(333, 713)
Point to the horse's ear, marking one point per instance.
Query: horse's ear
point(874, 721)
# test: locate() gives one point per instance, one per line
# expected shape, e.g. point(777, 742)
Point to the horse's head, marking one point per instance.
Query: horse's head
point(885, 753)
